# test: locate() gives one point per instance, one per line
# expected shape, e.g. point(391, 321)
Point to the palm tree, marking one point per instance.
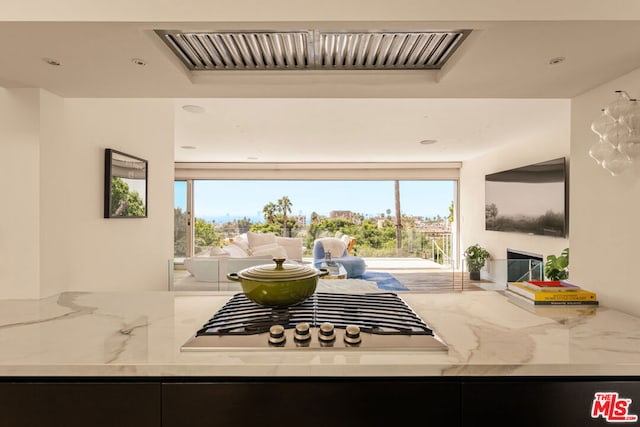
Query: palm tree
point(284, 207)
point(269, 212)
point(398, 219)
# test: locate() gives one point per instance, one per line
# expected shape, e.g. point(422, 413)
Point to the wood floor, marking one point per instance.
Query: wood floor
point(436, 280)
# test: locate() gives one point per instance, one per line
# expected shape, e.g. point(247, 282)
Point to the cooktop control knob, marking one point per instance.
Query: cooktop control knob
point(352, 335)
point(276, 335)
point(302, 332)
point(326, 332)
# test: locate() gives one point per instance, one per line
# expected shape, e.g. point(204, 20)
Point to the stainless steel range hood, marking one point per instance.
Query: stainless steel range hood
point(313, 49)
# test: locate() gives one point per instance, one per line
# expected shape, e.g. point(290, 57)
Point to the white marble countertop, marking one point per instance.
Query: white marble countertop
point(140, 334)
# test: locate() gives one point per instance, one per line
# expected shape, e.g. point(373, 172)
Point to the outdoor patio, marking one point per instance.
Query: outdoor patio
point(416, 274)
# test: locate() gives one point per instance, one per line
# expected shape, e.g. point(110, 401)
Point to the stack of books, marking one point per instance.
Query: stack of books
point(549, 293)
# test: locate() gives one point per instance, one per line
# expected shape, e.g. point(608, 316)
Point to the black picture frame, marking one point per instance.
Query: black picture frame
point(125, 185)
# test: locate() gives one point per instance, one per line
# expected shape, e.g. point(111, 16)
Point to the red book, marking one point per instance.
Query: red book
point(550, 285)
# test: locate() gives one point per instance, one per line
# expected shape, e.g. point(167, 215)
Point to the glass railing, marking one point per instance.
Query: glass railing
point(393, 274)
point(498, 272)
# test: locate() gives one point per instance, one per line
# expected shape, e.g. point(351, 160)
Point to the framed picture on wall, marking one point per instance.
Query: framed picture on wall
point(125, 185)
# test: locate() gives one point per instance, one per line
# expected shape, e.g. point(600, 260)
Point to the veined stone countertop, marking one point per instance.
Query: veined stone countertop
point(140, 334)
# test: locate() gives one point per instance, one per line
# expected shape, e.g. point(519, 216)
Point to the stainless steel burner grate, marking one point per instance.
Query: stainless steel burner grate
point(325, 321)
point(383, 313)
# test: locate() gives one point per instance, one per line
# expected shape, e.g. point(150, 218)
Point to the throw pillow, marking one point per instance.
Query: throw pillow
point(333, 245)
point(216, 251)
point(234, 250)
point(293, 246)
point(273, 250)
point(242, 244)
point(260, 239)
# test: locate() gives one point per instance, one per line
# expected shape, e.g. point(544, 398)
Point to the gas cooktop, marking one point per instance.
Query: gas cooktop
point(376, 321)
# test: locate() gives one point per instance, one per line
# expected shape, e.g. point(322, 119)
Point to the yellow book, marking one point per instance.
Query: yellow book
point(581, 295)
point(554, 309)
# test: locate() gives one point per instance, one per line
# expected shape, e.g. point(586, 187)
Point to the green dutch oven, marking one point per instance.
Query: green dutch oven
point(279, 284)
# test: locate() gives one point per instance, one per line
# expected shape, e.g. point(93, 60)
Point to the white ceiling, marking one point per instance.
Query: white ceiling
point(498, 87)
point(361, 130)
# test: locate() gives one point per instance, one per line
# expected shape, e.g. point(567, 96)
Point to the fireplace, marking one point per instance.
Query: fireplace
point(524, 266)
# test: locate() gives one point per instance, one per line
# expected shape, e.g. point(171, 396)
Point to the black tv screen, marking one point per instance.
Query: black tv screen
point(529, 199)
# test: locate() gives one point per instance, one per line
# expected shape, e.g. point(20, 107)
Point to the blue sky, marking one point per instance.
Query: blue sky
point(219, 198)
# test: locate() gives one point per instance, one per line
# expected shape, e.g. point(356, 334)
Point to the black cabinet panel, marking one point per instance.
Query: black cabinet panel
point(47, 404)
point(322, 402)
point(535, 402)
point(326, 403)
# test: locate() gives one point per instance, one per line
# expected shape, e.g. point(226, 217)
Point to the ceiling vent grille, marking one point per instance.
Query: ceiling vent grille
point(299, 50)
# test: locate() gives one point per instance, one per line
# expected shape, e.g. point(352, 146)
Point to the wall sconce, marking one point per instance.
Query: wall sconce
point(618, 129)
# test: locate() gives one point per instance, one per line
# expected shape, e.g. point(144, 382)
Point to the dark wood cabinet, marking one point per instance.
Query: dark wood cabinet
point(312, 402)
point(534, 402)
point(315, 402)
point(27, 403)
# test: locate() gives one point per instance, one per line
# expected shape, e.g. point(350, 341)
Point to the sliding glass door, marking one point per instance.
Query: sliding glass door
point(389, 218)
point(182, 221)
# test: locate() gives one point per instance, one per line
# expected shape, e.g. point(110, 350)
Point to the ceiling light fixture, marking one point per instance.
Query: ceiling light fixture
point(138, 61)
point(557, 60)
point(190, 108)
point(188, 147)
point(428, 141)
point(52, 61)
point(618, 129)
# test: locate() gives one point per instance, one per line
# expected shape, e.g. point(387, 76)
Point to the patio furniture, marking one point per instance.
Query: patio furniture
point(354, 266)
point(245, 250)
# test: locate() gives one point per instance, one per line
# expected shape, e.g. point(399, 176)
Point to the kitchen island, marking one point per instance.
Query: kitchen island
point(135, 338)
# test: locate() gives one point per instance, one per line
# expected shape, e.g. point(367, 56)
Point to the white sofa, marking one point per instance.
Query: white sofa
point(242, 252)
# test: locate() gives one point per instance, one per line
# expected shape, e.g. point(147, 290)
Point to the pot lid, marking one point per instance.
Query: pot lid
point(278, 271)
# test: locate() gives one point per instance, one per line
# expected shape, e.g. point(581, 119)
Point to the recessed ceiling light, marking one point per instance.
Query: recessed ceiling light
point(428, 141)
point(556, 60)
point(188, 147)
point(138, 61)
point(190, 108)
point(52, 61)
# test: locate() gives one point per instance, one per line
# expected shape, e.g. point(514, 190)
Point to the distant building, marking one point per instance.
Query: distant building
point(343, 214)
point(301, 220)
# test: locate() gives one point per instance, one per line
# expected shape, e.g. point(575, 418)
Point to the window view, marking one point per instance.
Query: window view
point(386, 218)
point(180, 220)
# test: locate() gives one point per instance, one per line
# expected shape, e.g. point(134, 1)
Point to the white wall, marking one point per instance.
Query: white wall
point(552, 144)
point(19, 209)
point(53, 236)
point(81, 250)
point(605, 225)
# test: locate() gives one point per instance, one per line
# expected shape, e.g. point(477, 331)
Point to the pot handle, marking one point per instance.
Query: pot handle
point(233, 276)
point(323, 272)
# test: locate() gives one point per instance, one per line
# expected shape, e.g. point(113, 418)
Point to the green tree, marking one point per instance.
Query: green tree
point(269, 212)
point(205, 235)
point(235, 227)
point(263, 227)
point(451, 214)
point(179, 233)
point(315, 217)
point(125, 202)
point(398, 218)
point(283, 207)
point(275, 216)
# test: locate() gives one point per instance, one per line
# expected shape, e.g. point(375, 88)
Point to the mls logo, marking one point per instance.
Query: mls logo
point(612, 408)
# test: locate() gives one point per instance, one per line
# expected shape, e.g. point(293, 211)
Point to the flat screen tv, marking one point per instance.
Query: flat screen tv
point(530, 199)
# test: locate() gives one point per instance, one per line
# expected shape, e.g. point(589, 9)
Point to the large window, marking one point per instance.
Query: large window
point(408, 218)
point(181, 221)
